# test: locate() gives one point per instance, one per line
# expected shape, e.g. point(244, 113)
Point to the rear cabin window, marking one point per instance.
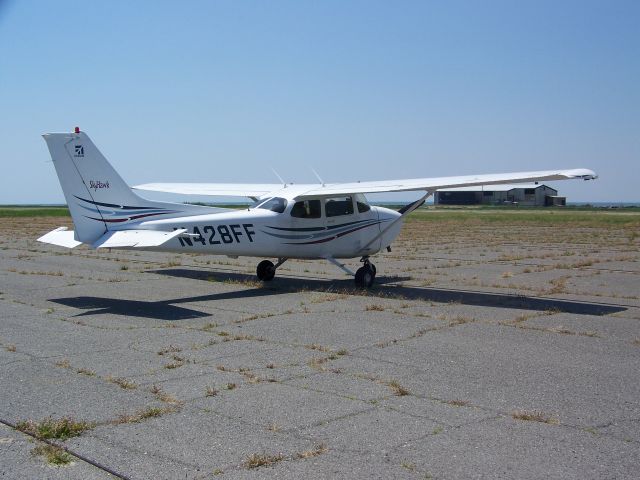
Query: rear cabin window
point(274, 204)
point(306, 209)
point(335, 207)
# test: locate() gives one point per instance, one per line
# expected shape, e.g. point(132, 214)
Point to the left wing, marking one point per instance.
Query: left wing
point(330, 189)
point(214, 189)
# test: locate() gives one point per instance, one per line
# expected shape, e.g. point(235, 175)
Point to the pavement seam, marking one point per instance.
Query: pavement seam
point(68, 450)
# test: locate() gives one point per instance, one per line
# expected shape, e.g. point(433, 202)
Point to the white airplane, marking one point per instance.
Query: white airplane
point(321, 221)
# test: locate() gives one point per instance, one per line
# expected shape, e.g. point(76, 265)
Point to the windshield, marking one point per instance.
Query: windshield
point(275, 204)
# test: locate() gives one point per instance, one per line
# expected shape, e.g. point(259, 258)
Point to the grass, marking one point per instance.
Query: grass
point(257, 460)
point(64, 363)
point(169, 349)
point(122, 382)
point(49, 428)
point(33, 211)
point(86, 371)
point(374, 308)
point(314, 452)
point(543, 216)
point(210, 392)
point(534, 416)
point(398, 389)
point(274, 427)
point(54, 455)
point(144, 414)
point(458, 403)
point(584, 216)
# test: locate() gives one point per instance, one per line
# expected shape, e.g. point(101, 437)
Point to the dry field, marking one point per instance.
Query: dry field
point(496, 344)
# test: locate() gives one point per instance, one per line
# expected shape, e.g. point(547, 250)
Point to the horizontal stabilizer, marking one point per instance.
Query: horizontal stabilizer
point(60, 237)
point(136, 238)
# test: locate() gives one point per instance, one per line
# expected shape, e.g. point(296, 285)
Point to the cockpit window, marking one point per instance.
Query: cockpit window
point(306, 209)
point(275, 204)
point(338, 206)
point(363, 205)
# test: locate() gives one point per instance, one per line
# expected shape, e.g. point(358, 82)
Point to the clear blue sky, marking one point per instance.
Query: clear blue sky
point(359, 90)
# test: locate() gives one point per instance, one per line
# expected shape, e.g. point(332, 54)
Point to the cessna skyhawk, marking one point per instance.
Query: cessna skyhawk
point(315, 221)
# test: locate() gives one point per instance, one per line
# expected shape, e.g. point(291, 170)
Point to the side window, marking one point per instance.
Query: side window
point(306, 209)
point(338, 206)
point(274, 204)
point(362, 204)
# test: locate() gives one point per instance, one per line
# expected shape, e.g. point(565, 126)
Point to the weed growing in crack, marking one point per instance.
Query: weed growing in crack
point(534, 416)
point(257, 460)
point(54, 455)
point(60, 429)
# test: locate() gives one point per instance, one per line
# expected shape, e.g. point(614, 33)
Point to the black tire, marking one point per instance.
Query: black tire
point(364, 277)
point(373, 269)
point(266, 270)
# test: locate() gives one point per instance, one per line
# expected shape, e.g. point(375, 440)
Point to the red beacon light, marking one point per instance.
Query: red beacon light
point(77, 129)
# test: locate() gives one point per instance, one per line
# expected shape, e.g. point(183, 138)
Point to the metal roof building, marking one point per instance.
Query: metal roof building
point(530, 194)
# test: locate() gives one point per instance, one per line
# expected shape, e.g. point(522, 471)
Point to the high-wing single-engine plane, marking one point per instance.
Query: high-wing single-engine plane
point(329, 221)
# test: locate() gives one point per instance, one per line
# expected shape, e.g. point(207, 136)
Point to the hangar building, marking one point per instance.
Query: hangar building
point(530, 194)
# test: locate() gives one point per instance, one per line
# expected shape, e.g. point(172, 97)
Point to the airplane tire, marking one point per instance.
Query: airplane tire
point(266, 270)
point(364, 277)
point(374, 270)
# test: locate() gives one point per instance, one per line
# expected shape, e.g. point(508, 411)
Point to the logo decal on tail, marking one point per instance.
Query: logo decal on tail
point(79, 151)
point(96, 184)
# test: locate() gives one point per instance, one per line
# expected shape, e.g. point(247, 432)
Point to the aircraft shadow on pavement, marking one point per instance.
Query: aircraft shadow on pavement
point(386, 287)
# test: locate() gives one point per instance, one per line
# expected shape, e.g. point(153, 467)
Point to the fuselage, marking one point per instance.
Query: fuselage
point(335, 230)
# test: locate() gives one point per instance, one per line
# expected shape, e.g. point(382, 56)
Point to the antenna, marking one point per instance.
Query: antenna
point(279, 177)
point(318, 176)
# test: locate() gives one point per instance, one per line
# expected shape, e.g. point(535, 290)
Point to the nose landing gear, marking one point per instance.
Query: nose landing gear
point(366, 274)
point(267, 270)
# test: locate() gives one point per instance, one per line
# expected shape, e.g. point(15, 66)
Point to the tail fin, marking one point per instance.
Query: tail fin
point(98, 199)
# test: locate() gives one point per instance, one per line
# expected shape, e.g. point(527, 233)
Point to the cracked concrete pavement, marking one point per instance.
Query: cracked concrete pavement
point(188, 368)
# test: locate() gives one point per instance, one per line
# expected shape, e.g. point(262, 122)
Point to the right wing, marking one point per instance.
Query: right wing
point(301, 191)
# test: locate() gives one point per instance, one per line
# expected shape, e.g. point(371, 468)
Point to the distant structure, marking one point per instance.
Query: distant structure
point(529, 194)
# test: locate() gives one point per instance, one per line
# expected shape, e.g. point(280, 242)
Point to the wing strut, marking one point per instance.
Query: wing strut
point(404, 211)
point(341, 266)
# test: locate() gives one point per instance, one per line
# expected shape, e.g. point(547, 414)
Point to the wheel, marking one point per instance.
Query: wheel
point(364, 276)
point(266, 270)
point(373, 269)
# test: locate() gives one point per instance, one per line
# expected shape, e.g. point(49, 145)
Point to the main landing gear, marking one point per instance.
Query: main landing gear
point(267, 270)
point(366, 274)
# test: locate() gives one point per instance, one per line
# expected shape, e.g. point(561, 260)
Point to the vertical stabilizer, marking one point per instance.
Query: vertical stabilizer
point(98, 198)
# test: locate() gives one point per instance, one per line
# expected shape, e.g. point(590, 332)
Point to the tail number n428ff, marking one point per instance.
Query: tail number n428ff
point(217, 234)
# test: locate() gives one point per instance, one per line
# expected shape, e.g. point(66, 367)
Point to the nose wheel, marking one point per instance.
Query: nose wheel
point(366, 274)
point(267, 270)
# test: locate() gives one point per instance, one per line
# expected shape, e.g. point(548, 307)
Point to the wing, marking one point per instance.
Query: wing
point(214, 189)
point(314, 190)
point(433, 184)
